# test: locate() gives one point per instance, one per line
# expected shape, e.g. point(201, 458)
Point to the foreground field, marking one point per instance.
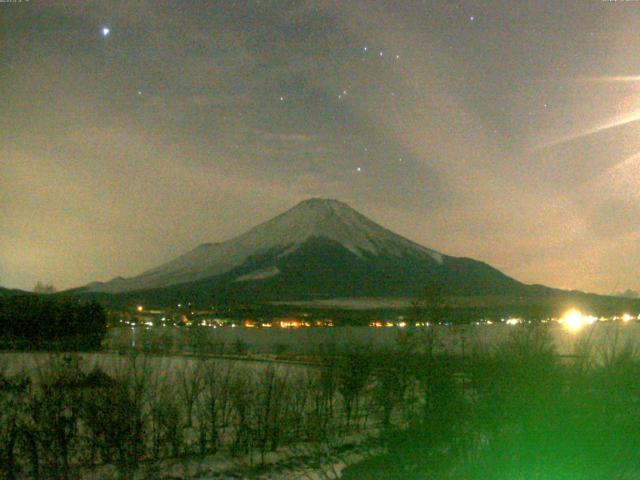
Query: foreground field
point(146, 416)
point(512, 409)
point(37, 365)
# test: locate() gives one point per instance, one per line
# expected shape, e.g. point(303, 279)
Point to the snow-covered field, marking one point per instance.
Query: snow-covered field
point(222, 418)
point(36, 364)
point(200, 417)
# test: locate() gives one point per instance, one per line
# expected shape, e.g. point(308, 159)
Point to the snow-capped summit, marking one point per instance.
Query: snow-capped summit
point(317, 238)
point(330, 219)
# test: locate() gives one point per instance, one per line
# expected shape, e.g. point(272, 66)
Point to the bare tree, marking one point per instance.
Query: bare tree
point(43, 288)
point(428, 307)
point(165, 424)
point(353, 375)
point(241, 396)
point(213, 409)
point(268, 410)
point(189, 380)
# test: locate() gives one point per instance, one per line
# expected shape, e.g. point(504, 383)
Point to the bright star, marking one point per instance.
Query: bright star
point(106, 31)
point(282, 99)
point(359, 169)
point(472, 18)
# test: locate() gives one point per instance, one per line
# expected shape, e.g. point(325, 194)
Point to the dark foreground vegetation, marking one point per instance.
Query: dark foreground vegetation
point(135, 418)
point(30, 321)
point(519, 412)
point(516, 412)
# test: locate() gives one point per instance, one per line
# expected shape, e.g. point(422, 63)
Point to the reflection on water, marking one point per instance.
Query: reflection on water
point(573, 331)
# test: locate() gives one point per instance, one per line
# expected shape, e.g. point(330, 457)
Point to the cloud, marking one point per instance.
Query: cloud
point(443, 135)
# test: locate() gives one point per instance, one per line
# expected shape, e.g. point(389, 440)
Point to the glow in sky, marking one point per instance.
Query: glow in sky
point(195, 123)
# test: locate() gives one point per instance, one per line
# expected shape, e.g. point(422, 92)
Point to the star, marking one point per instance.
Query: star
point(139, 92)
point(359, 169)
point(380, 53)
point(365, 48)
point(106, 31)
point(472, 18)
point(282, 99)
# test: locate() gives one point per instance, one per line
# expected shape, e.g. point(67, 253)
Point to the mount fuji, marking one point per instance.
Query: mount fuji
point(318, 249)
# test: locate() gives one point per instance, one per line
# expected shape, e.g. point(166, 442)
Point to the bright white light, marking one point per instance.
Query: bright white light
point(574, 320)
point(626, 317)
point(514, 321)
point(106, 31)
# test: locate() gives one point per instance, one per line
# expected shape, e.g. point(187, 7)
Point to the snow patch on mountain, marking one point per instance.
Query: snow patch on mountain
point(259, 274)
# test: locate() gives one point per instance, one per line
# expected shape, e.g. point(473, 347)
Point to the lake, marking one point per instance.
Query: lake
point(311, 341)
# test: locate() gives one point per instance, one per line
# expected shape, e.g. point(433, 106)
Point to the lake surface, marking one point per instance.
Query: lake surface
point(458, 339)
point(604, 338)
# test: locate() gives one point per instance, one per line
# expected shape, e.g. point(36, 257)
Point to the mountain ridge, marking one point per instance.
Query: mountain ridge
point(322, 252)
point(312, 218)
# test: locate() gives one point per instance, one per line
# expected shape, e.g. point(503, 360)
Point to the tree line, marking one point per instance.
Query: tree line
point(50, 322)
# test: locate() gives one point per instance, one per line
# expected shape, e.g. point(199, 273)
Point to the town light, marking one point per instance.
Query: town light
point(573, 320)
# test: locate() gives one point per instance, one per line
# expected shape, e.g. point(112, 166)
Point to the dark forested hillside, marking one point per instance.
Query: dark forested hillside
point(41, 321)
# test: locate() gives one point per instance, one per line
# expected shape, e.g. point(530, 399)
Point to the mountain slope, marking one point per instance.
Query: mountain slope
point(9, 292)
point(318, 249)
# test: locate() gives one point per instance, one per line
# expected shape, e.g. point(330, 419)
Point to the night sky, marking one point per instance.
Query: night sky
point(131, 132)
